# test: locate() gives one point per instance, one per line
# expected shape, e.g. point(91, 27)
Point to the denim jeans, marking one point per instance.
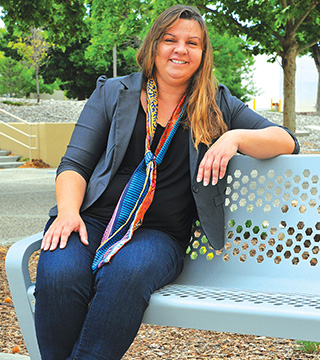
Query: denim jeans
point(80, 315)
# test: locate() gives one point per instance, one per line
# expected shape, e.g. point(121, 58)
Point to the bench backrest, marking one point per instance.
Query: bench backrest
point(272, 229)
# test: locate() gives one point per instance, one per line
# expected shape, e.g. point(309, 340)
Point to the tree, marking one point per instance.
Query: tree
point(233, 64)
point(17, 80)
point(316, 57)
point(128, 18)
point(33, 48)
point(12, 77)
point(62, 19)
point(283, 28)
point(133, 18)
point(77, 74)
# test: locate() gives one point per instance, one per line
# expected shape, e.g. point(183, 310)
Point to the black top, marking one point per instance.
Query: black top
point(173, 208)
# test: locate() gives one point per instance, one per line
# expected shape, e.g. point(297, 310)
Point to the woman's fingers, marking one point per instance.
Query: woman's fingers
point(215, 161)
point(60, 230)
point(210, 168)
point(83, 233)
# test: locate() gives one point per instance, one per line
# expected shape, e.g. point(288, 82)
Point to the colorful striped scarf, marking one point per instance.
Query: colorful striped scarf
point(139, 191)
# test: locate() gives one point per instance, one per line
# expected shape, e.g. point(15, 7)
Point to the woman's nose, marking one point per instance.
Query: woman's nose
point(181, 48)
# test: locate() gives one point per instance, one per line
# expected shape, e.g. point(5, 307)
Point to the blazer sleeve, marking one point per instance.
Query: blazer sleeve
point(237, 115)
point(89, 138)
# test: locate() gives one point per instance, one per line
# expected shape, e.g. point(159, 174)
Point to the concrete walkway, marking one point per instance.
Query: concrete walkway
point(13, 357)
point(26, 196)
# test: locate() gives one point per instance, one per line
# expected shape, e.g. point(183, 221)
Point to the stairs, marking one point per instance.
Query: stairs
point(8, 161)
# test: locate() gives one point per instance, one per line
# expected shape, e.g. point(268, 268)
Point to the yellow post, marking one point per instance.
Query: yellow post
point(271, 105)
point(254, 104)
point(279, 105)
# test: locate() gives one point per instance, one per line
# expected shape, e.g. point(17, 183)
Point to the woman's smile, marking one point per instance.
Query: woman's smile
point(179, 53)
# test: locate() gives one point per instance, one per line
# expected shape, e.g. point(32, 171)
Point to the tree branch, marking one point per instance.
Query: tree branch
point(303, 16)
point(306, 46)
point(239, 26)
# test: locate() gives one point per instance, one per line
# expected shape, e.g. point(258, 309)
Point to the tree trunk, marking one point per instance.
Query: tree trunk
point(316, 57)
point(37, 82)
point(318, 94)
point(289, 75)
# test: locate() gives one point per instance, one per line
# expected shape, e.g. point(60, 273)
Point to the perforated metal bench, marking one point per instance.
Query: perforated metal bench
point(266, 281)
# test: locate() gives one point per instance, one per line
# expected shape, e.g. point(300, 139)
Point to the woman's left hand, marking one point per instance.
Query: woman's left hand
point(258, 143)
point(215, 160)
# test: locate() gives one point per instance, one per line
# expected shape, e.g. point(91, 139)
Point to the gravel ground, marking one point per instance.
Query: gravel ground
point(154, 342)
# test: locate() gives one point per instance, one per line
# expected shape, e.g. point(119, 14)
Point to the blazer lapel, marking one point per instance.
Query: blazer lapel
point(193, 158)
point(124, 120)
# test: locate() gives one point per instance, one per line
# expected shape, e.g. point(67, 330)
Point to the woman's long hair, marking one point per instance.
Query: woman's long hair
point(204, 116)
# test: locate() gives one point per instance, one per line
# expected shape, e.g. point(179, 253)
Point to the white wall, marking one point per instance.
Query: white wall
point(268, 77)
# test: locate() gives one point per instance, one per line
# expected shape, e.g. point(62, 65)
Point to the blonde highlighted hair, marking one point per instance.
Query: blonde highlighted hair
point(204, 116)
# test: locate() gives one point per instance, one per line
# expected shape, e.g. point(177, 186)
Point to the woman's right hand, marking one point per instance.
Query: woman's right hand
point(60, 230)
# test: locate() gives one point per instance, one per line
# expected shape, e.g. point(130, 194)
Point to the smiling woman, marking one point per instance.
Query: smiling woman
point(179, 55)
point(133, 179)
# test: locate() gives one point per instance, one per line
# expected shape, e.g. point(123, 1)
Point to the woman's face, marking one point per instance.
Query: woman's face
point(179, 53)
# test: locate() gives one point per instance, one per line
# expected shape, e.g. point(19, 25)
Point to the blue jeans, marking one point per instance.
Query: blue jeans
point(96, 317)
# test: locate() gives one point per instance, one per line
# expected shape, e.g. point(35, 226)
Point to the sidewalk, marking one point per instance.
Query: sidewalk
point(26, 195)
point(13, 357)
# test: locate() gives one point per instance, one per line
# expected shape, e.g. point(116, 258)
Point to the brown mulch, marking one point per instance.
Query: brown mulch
point(35, 163)
point(156, 342)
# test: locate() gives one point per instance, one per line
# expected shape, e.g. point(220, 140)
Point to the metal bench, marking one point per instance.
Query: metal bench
point(264, 282)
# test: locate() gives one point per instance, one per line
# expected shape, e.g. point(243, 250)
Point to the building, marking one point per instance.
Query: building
point(268, 77)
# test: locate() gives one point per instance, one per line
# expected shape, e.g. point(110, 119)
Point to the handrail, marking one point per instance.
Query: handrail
point(28, 135)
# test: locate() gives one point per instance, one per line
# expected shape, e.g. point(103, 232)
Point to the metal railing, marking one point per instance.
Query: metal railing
point(28, 144)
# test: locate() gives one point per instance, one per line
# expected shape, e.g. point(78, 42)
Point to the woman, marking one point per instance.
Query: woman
point(193, 130)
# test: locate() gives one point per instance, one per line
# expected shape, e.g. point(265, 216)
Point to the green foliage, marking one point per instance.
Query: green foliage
point(84, 33)
point(17, 103)
point(63, 19)
point(309, 347)
point(233, 64)
point(77, 75)
point(16, 80)
point(115, 23)
point(267, 23)
point(276, 28)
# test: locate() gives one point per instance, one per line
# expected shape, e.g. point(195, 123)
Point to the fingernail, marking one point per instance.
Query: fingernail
point(214, 181)
point(205, 183)
point(198, 179)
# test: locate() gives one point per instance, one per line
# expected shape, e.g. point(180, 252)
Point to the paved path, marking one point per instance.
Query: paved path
point(26, 196)
point(13, 357)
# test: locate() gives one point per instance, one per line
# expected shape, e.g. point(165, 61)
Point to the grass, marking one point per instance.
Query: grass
point(17, 103)
point(309, 347)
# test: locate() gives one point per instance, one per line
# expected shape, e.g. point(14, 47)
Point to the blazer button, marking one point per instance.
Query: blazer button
point(195, 188)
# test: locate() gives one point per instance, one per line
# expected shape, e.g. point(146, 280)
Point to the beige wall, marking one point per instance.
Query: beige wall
point(57, 95)
point(53, 139)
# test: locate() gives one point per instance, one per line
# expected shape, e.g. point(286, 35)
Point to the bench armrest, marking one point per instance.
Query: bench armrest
point(20, 286)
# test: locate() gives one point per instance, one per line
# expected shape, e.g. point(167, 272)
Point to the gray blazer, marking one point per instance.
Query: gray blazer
point(103, 131)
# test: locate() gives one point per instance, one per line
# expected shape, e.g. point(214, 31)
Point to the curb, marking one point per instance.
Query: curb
point(4, 356)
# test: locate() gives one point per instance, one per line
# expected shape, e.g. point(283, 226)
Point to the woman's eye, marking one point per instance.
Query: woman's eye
point(169, 40)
